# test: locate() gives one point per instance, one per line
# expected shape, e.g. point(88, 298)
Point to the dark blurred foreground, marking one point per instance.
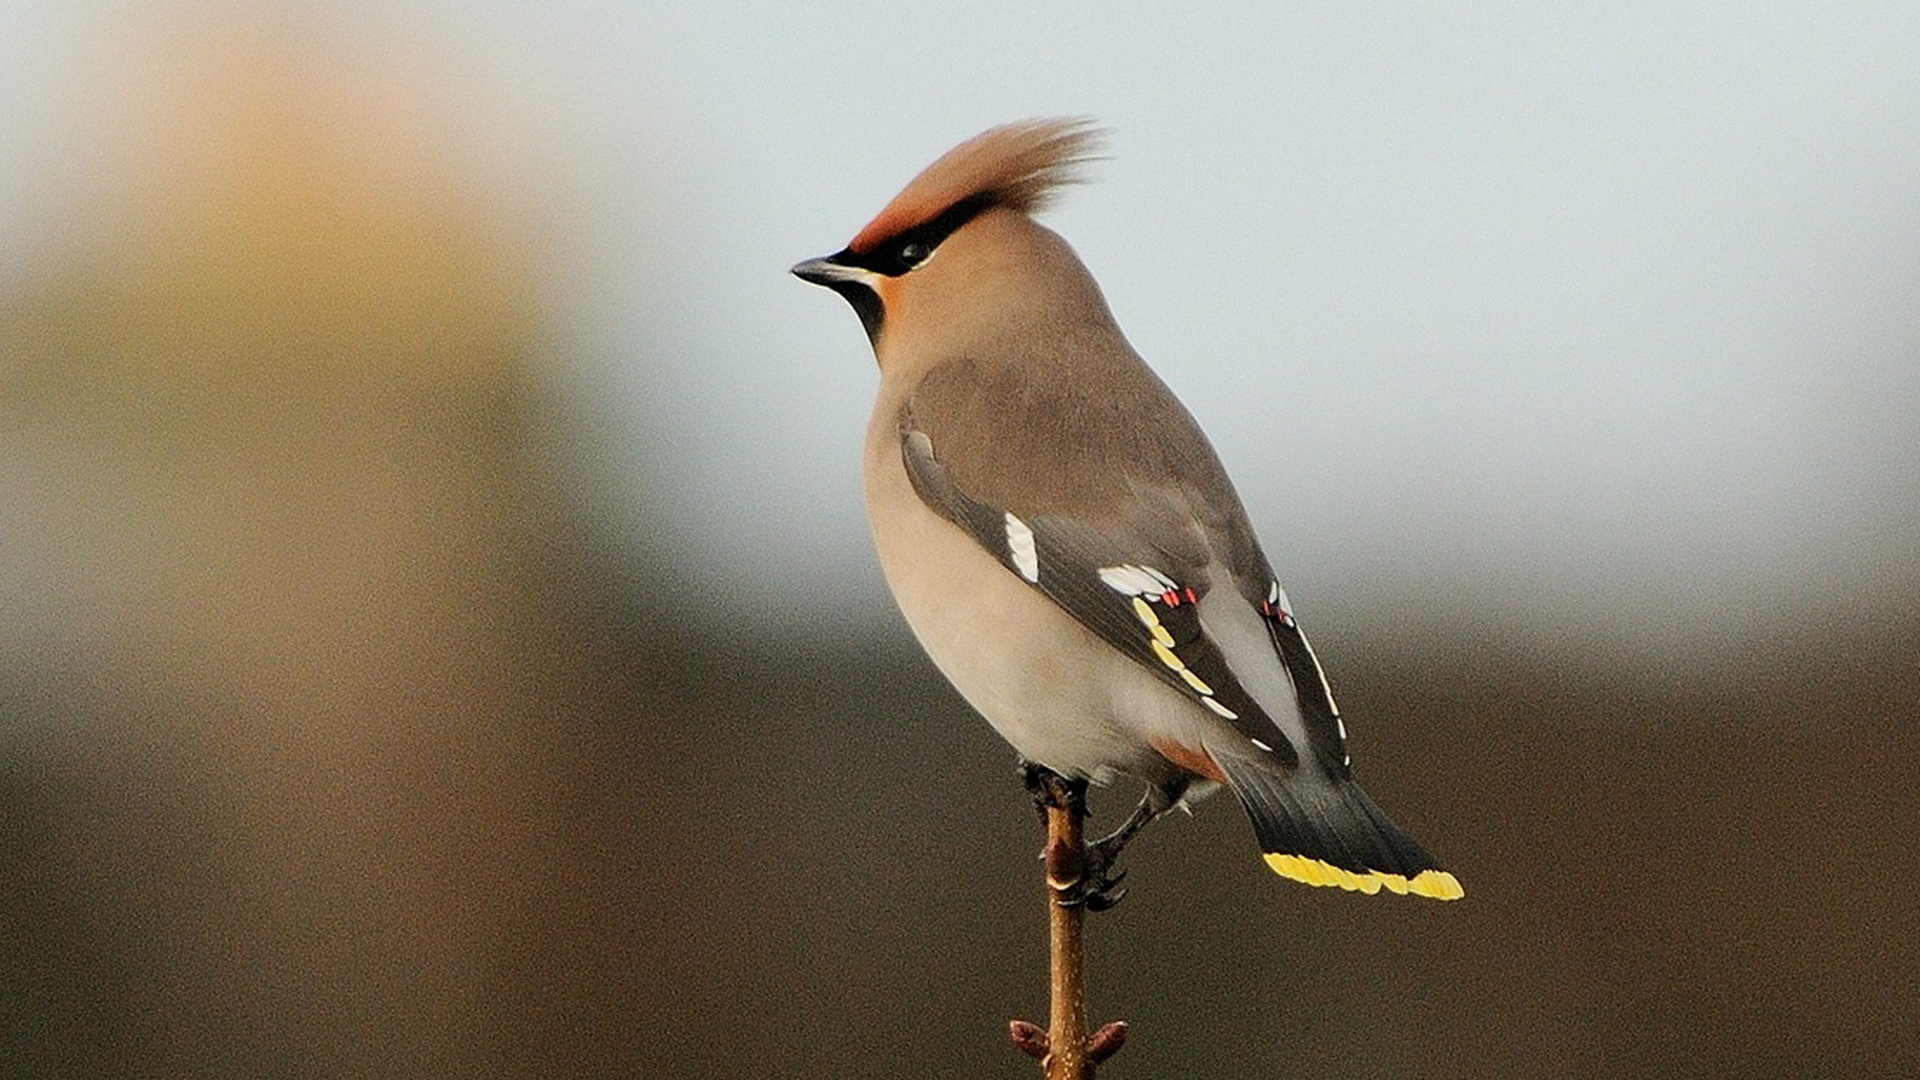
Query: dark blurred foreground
point(330, 746)
point(546, 841)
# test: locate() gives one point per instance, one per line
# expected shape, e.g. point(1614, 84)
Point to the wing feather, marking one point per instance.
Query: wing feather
point(1121, 593)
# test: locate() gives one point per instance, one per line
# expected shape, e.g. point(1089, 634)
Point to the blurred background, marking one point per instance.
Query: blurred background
point(438, 635)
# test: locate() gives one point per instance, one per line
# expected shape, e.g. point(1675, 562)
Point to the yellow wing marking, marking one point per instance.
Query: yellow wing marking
point(1199, 685)
point(1162, 645)
point(1144, 612)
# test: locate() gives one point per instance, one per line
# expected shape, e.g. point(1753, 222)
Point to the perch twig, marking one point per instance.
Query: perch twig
point(1065, 1050)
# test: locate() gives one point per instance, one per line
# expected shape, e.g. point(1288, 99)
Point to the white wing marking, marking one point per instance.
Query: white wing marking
point(1026, 558)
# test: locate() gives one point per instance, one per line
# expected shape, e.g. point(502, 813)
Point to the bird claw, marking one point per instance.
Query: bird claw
point(1082, 877)
point(1095, 889)
point(1100, 899)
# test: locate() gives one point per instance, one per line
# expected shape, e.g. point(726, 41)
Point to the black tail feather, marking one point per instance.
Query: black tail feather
point(1326, 831)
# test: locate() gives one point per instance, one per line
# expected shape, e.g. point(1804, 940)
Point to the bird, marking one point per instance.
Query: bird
point(1064, 541)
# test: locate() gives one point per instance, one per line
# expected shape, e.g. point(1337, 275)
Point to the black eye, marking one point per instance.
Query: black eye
point(913, 253)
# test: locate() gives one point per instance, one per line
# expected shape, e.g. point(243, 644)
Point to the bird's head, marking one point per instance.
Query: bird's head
point(958, 246)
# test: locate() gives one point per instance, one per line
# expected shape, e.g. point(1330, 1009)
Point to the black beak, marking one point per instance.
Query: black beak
point(828, 271)
point(854, 283)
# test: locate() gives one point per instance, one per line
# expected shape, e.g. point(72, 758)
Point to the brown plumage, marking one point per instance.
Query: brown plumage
point(1019, 166)
point(1064, 541)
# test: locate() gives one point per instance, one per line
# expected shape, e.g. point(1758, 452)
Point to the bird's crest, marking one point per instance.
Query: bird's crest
point(1019, 166)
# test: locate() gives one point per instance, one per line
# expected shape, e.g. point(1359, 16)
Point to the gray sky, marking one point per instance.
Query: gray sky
point(1587, 314)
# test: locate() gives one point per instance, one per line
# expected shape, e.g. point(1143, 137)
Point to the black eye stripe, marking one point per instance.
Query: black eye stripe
point(897, 255)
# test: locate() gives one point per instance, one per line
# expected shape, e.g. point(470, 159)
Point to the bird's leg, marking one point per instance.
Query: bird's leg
point(1098, 887)
point(1101, 888)
point(1109, 846)
point(1041, 783)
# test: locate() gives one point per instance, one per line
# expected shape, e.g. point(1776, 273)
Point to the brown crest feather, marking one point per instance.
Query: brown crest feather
point(1019, 165)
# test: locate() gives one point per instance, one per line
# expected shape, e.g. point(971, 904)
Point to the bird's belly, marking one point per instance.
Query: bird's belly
point(1060, 695)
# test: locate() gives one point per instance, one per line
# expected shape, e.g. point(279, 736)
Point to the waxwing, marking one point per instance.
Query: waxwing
point(1062, 538)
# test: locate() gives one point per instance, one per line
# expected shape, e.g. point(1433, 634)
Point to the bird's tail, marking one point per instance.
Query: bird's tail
point(1326, 831)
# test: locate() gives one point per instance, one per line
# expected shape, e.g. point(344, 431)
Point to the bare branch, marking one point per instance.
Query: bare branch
point(1065, 1050)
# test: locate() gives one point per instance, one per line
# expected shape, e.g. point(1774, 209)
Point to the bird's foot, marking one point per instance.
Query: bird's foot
point(1086, 877)
point(1051, 791)
point(1093, 883)
point(1104, 888)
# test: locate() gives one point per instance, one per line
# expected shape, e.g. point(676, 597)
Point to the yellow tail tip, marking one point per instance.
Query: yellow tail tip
point(1437, 884)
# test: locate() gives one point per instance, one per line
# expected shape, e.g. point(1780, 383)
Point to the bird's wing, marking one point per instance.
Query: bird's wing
point(1144, 553)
